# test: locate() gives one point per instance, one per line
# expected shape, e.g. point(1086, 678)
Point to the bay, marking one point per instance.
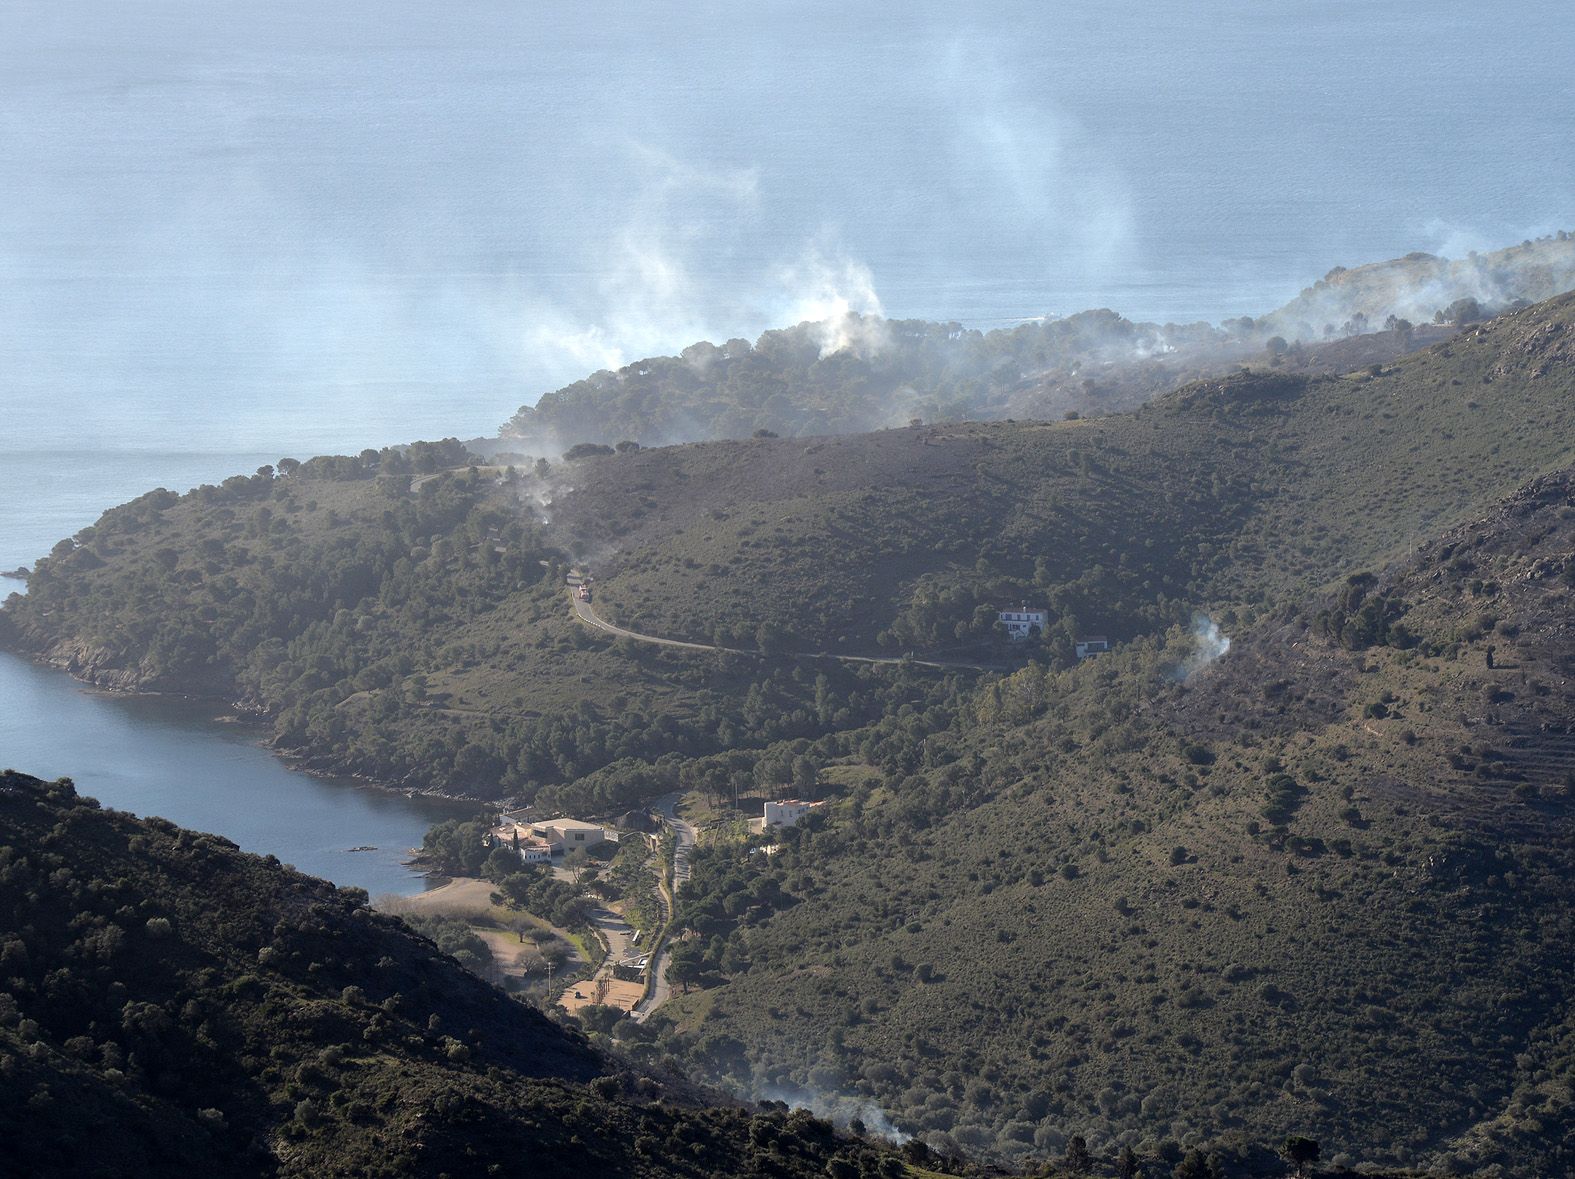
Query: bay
point(166, 756)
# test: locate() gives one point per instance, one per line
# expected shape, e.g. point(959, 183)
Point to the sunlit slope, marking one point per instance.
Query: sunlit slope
point(1232, 490)
point(1321, 887)
point(412, 626)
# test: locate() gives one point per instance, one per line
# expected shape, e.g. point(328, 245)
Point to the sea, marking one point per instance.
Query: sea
point(234, 233)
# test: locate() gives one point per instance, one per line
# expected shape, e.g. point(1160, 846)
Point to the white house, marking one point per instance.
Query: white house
point(535, 851)
point(518, 838)
point(1092, 645)
point(788, 812)
point(1022, 622)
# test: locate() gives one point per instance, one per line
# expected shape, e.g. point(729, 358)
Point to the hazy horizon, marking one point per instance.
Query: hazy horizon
point(327, 229)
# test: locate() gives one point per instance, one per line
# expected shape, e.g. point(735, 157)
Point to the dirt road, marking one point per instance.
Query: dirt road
point(586, 613)
point(602, 987)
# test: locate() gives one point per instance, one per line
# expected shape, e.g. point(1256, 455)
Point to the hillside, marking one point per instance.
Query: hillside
point(1321, 886)
point(170, 1006)
point(865, 374)
point(412, 627)
point(1424, 288)
point(1191, 499)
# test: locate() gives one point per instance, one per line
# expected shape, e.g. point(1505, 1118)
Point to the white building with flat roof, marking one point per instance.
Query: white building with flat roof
point(788, 812)
point(1022, 622)
point(566, 835)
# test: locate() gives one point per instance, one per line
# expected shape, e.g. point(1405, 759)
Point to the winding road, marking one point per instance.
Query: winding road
point(587, 614)
point(684, 842)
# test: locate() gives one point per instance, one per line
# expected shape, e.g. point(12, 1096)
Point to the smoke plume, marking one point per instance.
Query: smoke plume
point(1209, 645)
point(839, 1109)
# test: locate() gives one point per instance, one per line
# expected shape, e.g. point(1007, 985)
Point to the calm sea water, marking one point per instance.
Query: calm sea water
point(230, 233)
point(158, 756)
point(337, 225)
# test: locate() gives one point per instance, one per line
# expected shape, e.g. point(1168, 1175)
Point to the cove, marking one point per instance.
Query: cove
point(166, 756)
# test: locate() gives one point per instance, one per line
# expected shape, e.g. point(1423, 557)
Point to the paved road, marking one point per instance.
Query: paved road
point(586, 614)
point(684, 836)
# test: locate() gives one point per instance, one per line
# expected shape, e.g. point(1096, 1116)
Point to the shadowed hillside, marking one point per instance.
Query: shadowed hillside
point(171, 1006)
point(412, 626)
point(1148, 902)
point(1232, 490)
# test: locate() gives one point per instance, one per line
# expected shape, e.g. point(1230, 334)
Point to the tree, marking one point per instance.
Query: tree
point(585, 450)
point(578, 861)
point(685, 964)
point(1126, 1164)
point(1196, 1165)
point(1078, 1160)
point(771, 638)
point(1463, 311)
point(1300, 1152)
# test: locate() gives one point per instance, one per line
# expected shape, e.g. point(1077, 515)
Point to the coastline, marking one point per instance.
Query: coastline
point(241, 715)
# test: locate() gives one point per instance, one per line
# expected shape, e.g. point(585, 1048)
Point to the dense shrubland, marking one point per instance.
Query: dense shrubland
point(1166, 915)
point(1317, 888)
point(351, 610)
point(411, 626)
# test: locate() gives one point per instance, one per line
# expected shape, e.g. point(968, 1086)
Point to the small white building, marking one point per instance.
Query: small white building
point(535, 851)
point(518, 838)
point(1092, 645)
point(1022, 622)
point(788, 812)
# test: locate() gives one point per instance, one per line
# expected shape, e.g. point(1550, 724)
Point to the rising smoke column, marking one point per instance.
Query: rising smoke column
point(1208, 645)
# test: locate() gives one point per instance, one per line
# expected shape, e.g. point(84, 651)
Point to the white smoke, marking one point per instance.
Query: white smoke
point(837, 296)
point(648, 295)
point(655, 278)
point(1209, 645)
point(1035, 172)
point(1416, 287)
point(837, 1108)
